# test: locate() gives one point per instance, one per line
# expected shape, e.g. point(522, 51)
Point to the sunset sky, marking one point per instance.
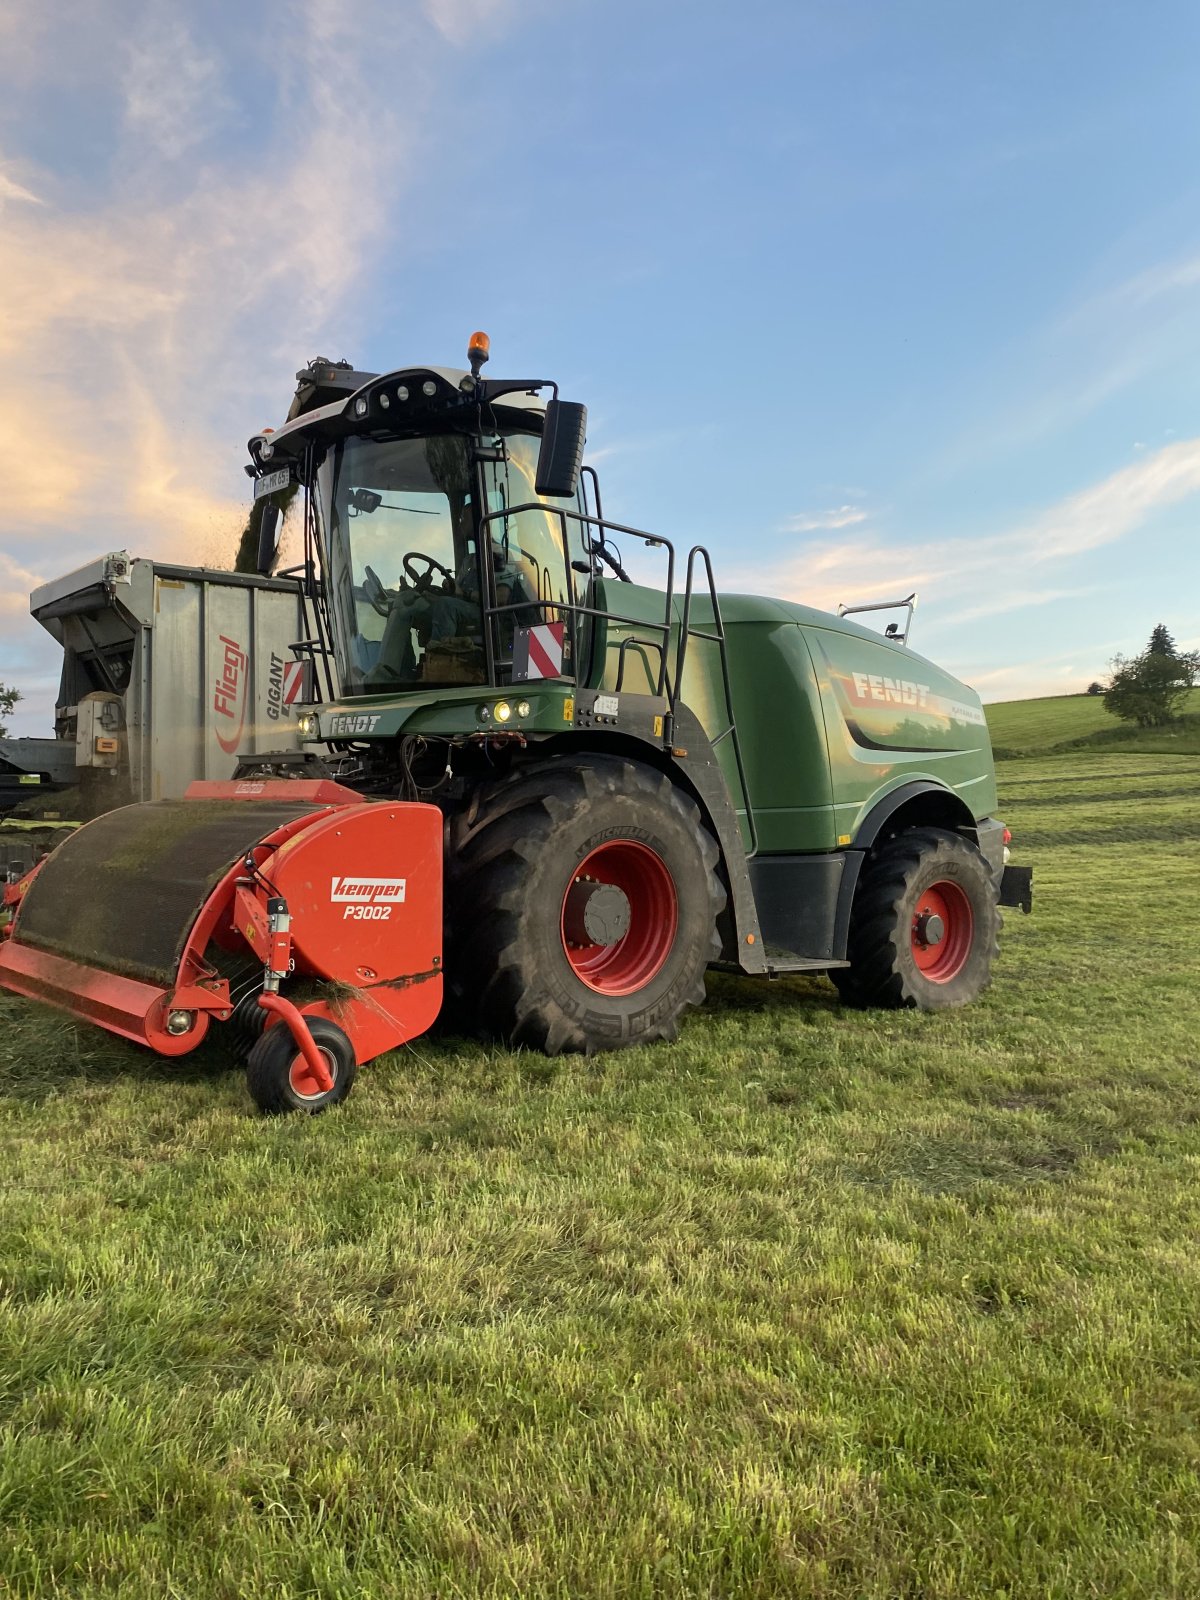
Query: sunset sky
point(866, 297)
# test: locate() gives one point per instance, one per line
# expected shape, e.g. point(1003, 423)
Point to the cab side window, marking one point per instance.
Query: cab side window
point(531, 550)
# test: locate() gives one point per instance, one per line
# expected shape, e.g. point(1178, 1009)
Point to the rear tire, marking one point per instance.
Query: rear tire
point(924, 927)
point(277, 1074)
point(582, 906)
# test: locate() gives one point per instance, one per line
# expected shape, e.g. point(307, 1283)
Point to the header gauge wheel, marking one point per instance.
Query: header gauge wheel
point(583, 906)
point(924, 928)
point(279, 1078)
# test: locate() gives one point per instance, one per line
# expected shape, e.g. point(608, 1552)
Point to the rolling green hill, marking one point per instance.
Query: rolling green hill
point(1073, 721)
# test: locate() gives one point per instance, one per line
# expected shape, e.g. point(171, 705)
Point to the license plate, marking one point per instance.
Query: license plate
point(272, 482)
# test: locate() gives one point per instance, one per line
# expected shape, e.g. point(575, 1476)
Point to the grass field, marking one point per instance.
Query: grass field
point(812, 1304)
point(1066, 721)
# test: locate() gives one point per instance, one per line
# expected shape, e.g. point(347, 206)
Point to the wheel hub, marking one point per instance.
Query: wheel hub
point(929, 929)
point(303, 1080)
point(595, 913)
point(943, 930)
point(619, 917)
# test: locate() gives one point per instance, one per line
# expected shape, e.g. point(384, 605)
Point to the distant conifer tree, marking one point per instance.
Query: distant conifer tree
point(1153, 688)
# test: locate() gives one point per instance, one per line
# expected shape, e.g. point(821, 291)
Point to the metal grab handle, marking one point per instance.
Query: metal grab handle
point(908, 604)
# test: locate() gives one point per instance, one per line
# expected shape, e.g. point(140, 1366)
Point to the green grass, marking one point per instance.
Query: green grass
point(812, 1304)
point(1059, 723)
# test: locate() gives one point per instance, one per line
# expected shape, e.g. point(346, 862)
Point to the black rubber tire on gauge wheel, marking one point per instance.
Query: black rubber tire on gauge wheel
point(924, 926)
point(279, 1078)
point(582, 906)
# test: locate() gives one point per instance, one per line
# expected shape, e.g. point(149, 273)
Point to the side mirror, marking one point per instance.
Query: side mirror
point(561, 455)
point(268, 538)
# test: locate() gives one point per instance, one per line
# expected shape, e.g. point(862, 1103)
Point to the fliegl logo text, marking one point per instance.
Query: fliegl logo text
point(871, 688)
point(229, 696)
point(367, 899)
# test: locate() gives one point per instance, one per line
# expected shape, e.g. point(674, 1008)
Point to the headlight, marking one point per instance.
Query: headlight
point(502, 711)
point(309, 726)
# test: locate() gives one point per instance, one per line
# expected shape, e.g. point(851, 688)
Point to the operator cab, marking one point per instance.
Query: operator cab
point(434, 542)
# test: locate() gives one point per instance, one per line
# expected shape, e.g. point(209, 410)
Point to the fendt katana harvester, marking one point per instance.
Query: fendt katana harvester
point(595, 788)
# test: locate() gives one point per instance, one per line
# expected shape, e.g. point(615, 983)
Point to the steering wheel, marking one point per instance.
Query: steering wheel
point(376, 593)
point(424, 580)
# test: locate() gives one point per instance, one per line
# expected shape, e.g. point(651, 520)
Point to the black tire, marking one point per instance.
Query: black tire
point(513, 855)
point(269, 1069)
point(887, 942)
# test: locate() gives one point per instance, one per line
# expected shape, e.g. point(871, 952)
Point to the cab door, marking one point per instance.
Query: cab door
point(532, 549)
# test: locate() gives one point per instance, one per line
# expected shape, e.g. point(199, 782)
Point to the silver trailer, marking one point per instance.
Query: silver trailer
point(171, 673)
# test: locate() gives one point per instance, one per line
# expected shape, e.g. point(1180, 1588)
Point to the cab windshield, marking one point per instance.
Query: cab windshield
point(401, 535)
point(402, 566)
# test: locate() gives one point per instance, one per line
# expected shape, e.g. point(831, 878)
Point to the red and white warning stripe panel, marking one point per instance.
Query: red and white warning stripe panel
point(538, 652)
point(296, 678)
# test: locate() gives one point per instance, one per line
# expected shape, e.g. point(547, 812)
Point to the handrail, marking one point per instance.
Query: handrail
point(661, 645)
point(909, 604)
point(686, 632)
point(667, 689)
point(571, 607)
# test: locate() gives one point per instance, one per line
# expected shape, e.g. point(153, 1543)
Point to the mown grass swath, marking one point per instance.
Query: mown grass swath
point(814, 1303)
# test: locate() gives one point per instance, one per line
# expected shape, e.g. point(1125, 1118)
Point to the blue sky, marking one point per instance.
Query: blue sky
point(865, 297)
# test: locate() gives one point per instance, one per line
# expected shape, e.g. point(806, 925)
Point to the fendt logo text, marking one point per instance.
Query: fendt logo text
point(367, 899)
point(870, 686)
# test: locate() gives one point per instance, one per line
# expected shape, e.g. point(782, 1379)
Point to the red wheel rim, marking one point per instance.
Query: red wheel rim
point(638, 956)
point(303, 1081)
point(944, 958)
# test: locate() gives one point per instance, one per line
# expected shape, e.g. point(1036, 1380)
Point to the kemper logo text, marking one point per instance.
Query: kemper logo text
point(367, 891)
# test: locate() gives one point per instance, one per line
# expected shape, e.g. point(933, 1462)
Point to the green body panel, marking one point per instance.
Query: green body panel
point(648, 609)
point(444, 713)
point(831, 717)
point(892, 717)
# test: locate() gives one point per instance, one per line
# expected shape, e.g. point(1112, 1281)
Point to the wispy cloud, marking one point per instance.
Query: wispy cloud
point(1151, 284)
point(16, 581)
point(1013, 568)
point(1057, 674)
point(1082, 359)
point(174, 96)
point(460, 20)
point(10, 189)
point(148, 334)
point(157, 323)
point(814, 521)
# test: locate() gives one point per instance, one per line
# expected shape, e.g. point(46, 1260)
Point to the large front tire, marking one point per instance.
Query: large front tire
point(924, 927)
point(583, 906)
